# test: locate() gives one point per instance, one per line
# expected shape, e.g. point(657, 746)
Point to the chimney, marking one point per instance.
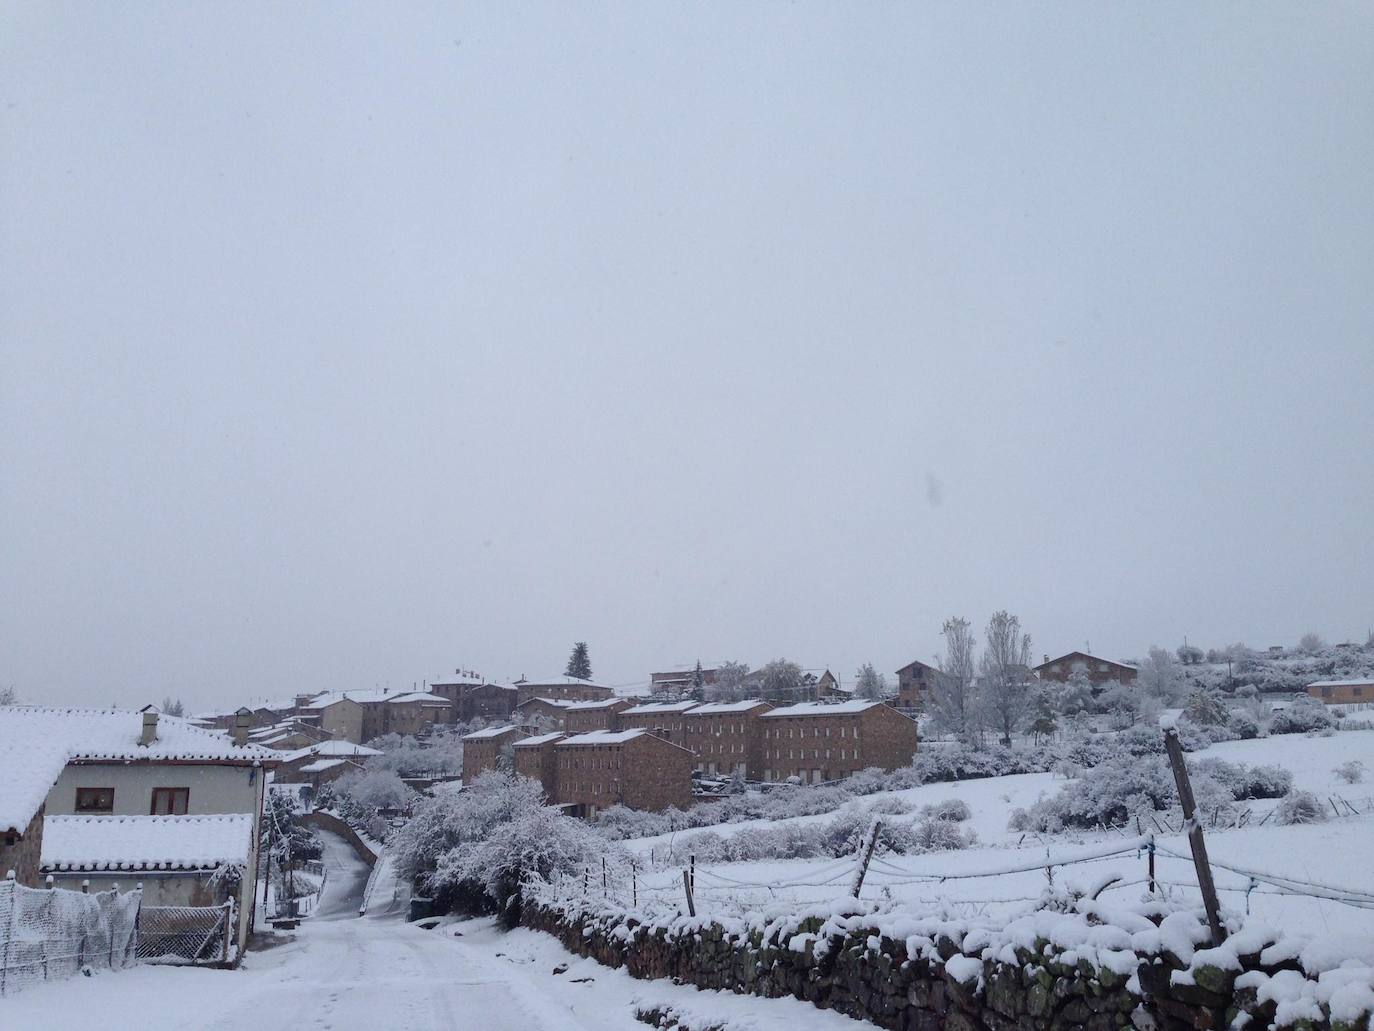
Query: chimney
point(1047, 659)
point(241, 720)
point(149, 734)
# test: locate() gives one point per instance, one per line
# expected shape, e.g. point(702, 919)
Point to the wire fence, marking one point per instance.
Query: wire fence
point(186, 935)
point(50, 934)
point(1147, 864)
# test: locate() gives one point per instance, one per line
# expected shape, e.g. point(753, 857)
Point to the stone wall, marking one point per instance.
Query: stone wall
point(869, 976)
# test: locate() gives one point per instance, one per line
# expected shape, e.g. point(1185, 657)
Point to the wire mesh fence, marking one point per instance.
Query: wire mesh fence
point(53, 933)
point(186, 934)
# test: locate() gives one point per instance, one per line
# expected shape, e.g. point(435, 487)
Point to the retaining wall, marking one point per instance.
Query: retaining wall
point(867, 975)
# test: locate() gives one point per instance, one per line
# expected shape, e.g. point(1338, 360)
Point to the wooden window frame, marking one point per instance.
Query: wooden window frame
point(77, 807)
point(171, 794)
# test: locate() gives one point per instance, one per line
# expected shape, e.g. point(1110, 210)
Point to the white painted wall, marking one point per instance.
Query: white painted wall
point(214, 789)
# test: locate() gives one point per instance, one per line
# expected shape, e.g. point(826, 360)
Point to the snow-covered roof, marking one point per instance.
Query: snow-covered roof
point(721, 708)
point(1086, 655)
point(1365, 682)
point(329, 749)
point(605, 737)
point(823, 709)
point(457, 678)
point(654, 708)
point(561, 703)
point(372, 697)
point(320, 765)
point(538, 739)
point(558, 681)
point(36, 742)
point(599, 703)
point(478, 735)
point(146, 842)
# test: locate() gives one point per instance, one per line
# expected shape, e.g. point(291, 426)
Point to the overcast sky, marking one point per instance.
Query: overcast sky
point(347, 345)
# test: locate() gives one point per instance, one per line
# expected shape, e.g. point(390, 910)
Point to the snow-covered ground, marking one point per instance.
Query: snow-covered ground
point(342, 973)
point(1331, 853)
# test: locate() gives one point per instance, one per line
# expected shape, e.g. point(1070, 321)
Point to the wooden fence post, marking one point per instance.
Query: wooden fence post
point(687, 888)
point(867, 857)
point(1195, 842)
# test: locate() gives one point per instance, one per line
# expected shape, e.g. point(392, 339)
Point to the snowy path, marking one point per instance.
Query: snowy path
point(345, 973)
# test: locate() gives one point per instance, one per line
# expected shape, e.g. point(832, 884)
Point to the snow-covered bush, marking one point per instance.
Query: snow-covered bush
point(936, 835)
point(1300, 807)
point(1116, 791)
point(1141, 741)
point(1246, 781)
point(375, 789)
point(953, 809)
point(1303, 715)
point(1244, 725)
point(1351, 772)
point(476, 848)
point(1205, 709)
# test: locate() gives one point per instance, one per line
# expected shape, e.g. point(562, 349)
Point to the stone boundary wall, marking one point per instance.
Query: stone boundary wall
point(870, 976)
point(329, 822)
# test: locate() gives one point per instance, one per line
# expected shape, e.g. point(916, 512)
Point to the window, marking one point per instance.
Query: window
point(95, 800)
point(170, 801)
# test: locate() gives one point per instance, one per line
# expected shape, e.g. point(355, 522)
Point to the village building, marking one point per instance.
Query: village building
point(542, 714)
point(114, 787)
point(633, 768)
point(322, 762)
point(488, 749)
point(916, 682)
point(665, 719)
point(565, 688)
point(817, 742)
point(726, 737)
point(677, 683)
point(584, 717)
point(361, 716)
point(473, 699)
point(537, 758)
point(1098, 670)
point(1342, 692)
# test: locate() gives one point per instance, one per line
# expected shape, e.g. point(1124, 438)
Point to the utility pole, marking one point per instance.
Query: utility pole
point(1195, 842)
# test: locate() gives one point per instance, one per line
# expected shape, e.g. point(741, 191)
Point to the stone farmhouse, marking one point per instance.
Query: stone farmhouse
point(1097, 669)
point(916, 683)
point(128, 798)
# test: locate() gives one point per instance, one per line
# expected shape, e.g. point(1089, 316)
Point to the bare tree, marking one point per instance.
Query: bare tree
point(1005, 674)
point(730, 685)
point(173, 707)
point(870, 684)
point(954, 703)
point(1311, 643)
point(9, 696)
point(1160, 675)
point(781, 680)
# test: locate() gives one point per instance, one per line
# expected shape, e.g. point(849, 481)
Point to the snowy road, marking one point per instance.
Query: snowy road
point(341, 972)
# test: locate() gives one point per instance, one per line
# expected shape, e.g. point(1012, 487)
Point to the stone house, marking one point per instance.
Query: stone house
point(537, 759)
point(665, 719)
point(542, 714)
point(569, 689)
point(584, 717)
point(916, 683)
point(472, 699)
point(726, 737)
point(1342, 692)
point(1098, 670)
point(818, 742)
point(488, 749)
point(77, 770)
point(321, 762)
point(633, 768)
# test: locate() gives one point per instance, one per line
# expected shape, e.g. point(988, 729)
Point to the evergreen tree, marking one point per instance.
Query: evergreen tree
point(699, 683)
point(579, 663)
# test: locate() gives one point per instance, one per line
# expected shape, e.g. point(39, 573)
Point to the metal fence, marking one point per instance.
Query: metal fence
point(186, 934)
point(53, 933)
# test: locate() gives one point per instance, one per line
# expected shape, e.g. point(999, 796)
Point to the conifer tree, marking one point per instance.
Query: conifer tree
point(579, 663)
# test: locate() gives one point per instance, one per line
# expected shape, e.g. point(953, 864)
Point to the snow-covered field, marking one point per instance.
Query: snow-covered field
point(1333, 853)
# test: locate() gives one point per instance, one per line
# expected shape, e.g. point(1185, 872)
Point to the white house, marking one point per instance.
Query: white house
point(107, 795)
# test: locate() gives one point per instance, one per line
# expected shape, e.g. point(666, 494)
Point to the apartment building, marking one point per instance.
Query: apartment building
point(570, 689)
point(486, 750)
point(818, 742)
point(665, 719)
point(726, 737)
point(634, 768)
